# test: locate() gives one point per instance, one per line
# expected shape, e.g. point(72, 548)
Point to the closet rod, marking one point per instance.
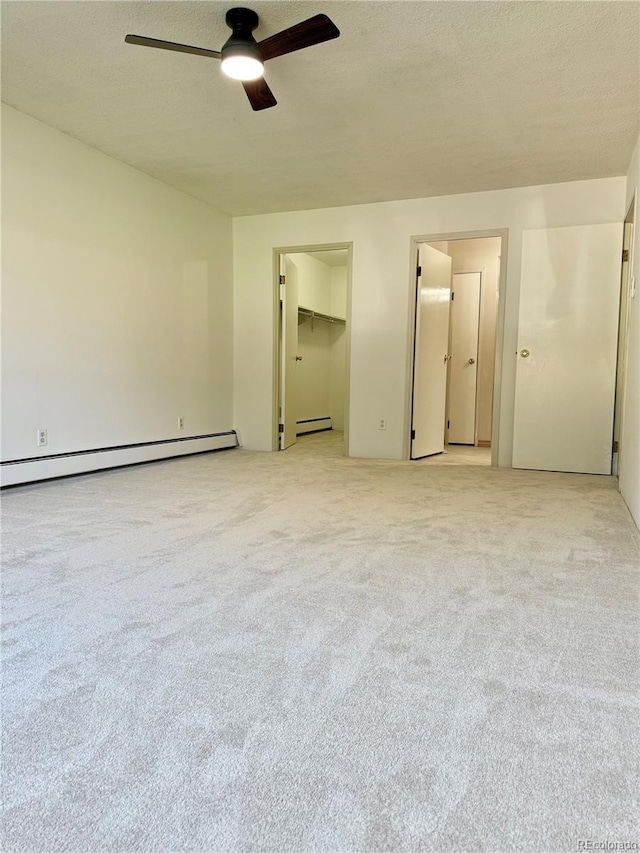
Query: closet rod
point(315, 315)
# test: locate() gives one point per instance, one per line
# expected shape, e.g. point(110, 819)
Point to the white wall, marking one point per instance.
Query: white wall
point(339, 291)
point(337, 374)
point(630, 444)
point(382, 281)
point(116, 297)
point(475, 256)
point(313, 373)
point(314, 282)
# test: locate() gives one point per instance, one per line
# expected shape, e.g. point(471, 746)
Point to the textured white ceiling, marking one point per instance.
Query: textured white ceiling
point(414, 99)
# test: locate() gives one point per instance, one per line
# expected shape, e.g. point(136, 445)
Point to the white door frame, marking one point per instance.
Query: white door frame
point(278, 251)
point(503, 233)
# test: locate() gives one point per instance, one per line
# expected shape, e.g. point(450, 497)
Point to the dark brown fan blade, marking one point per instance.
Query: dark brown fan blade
point(172, 45)
point(305, 34)
point(259, 94)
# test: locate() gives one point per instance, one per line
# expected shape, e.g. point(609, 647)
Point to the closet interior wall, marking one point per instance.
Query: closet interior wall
point(320, 373)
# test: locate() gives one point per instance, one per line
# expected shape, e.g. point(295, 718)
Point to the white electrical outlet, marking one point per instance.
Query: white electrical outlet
point(382, 424)
point(42, 438)
point(180, 422)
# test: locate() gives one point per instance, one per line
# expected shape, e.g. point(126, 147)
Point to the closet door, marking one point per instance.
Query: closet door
point(567, 340)
point(288, 354)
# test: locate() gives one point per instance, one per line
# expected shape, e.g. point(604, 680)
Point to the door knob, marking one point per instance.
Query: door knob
point(446, 358)
point(525, 353)
point(472, 361)
point(298, 358)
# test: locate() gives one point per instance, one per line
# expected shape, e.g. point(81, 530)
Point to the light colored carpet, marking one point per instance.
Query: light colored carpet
point(330, 444)
point(302, 652)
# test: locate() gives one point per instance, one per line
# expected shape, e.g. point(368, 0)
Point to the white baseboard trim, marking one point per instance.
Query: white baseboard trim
point(313, 425)
point(18, 471)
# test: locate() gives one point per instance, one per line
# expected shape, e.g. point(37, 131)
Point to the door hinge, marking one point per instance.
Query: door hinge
point(453, 296)
point(280, 427)
point(282, 279)
point(413, 434)
point(615, 446)
point(625, 255)
point(419, 271)
point(448, 424)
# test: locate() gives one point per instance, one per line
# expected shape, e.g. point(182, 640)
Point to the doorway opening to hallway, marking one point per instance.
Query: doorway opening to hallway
point(454, 353)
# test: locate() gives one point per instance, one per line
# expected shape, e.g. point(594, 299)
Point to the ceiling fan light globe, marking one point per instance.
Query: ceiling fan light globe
point(242, 67)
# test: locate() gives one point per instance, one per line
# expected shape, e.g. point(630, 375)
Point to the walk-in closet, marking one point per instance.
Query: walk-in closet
point(313, 345)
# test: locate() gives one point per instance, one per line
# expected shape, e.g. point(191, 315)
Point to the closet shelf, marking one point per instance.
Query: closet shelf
point(317, 315)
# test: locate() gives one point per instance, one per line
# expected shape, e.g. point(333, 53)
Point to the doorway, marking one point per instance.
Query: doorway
point(627, 292)
point(454, 364)
point(313, 288)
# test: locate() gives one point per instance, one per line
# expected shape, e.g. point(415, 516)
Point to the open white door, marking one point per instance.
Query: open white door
point(626, 296)
point(463, 365)
point(566, 358)
point(430, 356)
point(288, 352)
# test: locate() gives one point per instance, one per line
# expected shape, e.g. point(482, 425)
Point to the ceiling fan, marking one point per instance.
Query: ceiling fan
point(243, 58)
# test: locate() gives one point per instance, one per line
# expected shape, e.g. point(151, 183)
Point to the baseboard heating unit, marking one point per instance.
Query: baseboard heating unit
point(313, 425)
point(15, 472)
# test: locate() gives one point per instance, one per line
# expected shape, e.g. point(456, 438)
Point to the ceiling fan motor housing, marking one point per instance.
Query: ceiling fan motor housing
point(241, 41)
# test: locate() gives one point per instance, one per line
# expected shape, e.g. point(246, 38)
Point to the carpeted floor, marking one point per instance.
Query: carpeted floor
point(330, 444)
point(303, 652)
